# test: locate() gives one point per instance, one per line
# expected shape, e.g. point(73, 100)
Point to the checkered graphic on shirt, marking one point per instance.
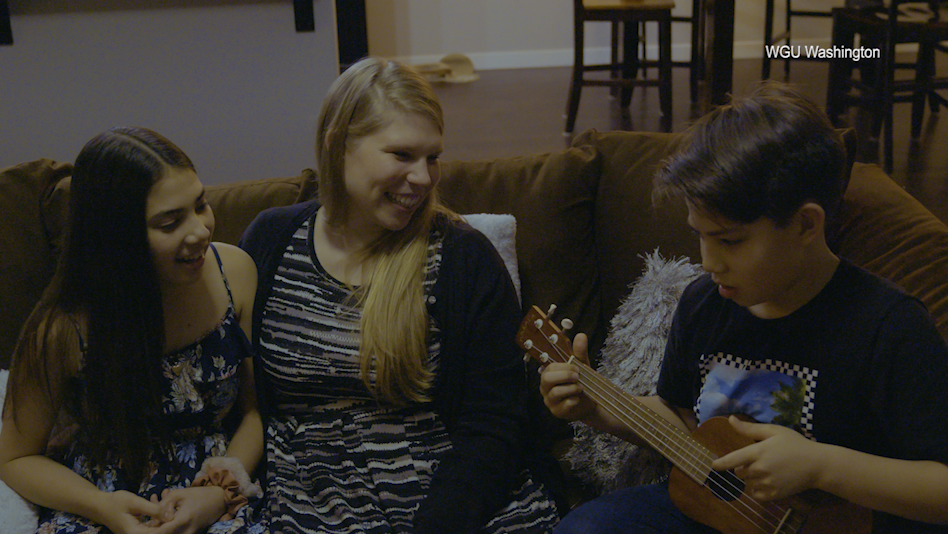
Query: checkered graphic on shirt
point(805, 374)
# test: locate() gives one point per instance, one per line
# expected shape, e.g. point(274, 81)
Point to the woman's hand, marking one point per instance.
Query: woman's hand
point(125, 512)
point(192, 510)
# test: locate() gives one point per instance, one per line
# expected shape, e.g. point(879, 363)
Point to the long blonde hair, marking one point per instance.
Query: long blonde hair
point(394, 324)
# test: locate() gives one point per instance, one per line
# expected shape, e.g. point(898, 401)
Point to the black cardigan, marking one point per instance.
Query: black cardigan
point(480, 390)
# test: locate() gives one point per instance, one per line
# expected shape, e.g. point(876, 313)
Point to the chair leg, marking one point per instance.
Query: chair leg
point(576, 83)
point(840, 70)
point(630, 60)
point(786, 62)
point(924, 70)
point(665, 75)
point(768, 36)
point(614, 56)
point(888, 72)
point(697, 47)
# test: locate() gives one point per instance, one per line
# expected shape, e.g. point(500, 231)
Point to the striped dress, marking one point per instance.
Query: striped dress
point(337, 459)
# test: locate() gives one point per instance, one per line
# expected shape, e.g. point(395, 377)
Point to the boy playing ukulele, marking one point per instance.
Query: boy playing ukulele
point(845, 376)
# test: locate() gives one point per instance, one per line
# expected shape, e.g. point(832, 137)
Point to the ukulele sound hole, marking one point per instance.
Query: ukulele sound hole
point(725, 485)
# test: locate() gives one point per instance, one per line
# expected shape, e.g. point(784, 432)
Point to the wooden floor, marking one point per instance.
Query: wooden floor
point(508, 113)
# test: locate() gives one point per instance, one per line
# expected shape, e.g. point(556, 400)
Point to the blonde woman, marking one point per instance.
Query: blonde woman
point(394, 396)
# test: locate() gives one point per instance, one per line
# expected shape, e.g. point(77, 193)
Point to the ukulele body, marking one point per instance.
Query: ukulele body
point(809, 512)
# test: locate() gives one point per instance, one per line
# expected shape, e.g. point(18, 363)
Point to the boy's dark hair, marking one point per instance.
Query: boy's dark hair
point(764, 155)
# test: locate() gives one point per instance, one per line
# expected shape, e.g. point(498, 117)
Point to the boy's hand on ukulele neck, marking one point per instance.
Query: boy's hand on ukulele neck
point(780, 464)
point(560, 387)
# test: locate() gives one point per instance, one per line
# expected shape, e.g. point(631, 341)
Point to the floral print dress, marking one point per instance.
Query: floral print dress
point(201, 387)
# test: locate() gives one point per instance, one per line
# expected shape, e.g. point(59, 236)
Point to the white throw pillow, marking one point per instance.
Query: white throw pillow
point(501, 230)
point(19, 516)
point(631, 358)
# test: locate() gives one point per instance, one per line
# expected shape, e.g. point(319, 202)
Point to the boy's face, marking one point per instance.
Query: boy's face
point(757, 265)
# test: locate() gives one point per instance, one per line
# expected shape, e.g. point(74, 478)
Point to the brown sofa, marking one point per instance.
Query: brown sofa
point(584, 220)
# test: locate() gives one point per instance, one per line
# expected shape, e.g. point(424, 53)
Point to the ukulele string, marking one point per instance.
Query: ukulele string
point(670, 432)
point(754, 512)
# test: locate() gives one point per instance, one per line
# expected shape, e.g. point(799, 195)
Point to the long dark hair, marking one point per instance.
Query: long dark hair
point(106, 282)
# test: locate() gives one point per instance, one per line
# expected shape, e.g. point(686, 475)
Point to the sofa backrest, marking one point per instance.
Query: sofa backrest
point(553, 198)
point(584, 220)
point(34, 200)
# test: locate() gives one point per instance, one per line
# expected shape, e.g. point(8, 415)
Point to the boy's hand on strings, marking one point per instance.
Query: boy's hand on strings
point(782, 462)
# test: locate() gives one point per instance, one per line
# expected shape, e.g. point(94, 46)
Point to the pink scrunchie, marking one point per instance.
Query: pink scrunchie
point(219, 476)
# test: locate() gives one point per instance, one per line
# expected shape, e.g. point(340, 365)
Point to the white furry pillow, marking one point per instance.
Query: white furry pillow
point(631, 357)
point(19, 516)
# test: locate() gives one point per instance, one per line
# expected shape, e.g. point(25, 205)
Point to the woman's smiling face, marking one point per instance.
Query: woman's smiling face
point(389, 174)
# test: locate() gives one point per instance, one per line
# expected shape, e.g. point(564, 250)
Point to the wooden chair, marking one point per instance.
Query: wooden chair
point(630, 13)
point(876, 88)
point(784, 37)
point(695, 63)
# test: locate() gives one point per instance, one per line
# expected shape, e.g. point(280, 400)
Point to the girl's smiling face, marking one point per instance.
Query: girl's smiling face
point(180, 225)
point(391, 173)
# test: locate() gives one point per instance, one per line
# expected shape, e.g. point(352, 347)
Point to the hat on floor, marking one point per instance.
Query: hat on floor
point(453, 68)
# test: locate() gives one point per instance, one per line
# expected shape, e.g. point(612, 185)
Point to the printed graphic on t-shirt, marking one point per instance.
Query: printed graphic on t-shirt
point(768, 391)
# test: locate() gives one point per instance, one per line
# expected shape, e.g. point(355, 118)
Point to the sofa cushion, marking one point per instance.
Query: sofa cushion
point(887, 231)
point(631, 359)
point(552, 197)
point(26, 258)
point(628, 225)
point(236, 204)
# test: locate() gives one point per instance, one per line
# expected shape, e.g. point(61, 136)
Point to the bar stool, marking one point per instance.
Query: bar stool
point(771, 40)
point(630, 13)
point(876, 88)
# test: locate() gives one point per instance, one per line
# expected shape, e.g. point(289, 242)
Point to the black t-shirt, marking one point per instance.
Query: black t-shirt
point(861, 366)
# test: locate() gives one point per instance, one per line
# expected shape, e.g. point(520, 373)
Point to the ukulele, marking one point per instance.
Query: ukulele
point(713, 498)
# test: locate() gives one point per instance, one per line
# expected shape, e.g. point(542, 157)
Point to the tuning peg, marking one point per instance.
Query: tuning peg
point(549, 312)
point(566, 324)
point(526, 358)
point(554, 338)
point(544, 357)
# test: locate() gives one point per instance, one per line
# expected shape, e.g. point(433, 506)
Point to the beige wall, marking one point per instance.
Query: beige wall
point(232, 83)
point(538, 33)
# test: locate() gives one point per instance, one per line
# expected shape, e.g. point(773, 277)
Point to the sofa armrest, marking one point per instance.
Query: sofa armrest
point(27, 260)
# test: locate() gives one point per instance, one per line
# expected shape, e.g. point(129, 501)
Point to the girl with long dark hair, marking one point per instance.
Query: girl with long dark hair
point(131, 404)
